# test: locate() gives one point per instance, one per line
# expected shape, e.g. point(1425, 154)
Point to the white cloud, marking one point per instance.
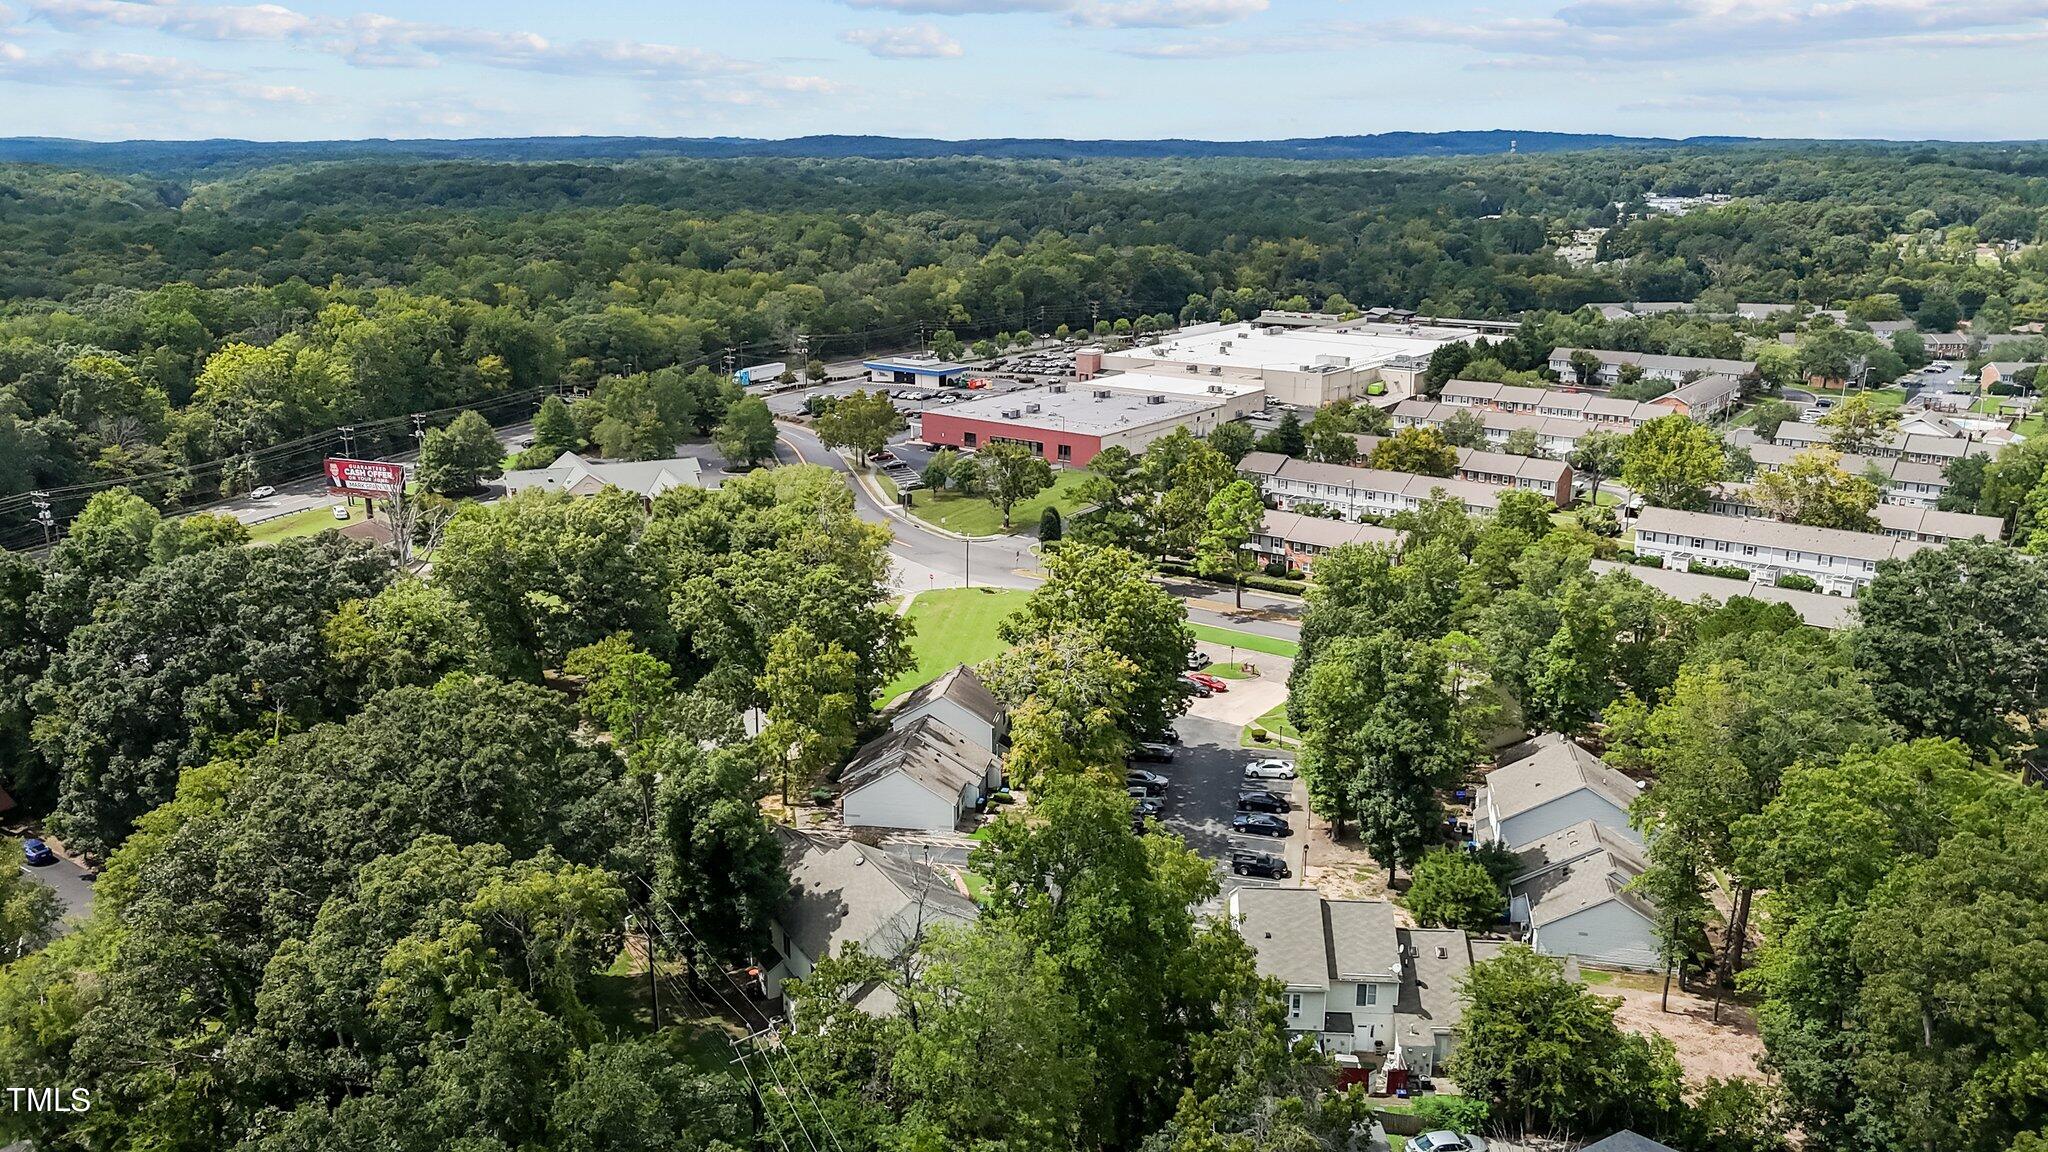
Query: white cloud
point(371, 39)
point(136, 72)
point(1635, 31)
point(962, 7)
point(1086, 13)
point(912, 41)
point(1163, 13)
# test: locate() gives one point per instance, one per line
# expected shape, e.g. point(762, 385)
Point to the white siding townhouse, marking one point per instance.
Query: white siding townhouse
point(1921, 522)
point(1555, 435)
point(842, 892)
point(1917, 447)
point(1355, 493)
point(1815, 608)
point(1339, 960)
point(1541, 474)
point(1571, 896)
point(1908, 482)
point(1545, 784)
point(1654, 367)
point(1842, 563)
point(1300, 539)
point(1704, 398)
point(959, 700)
point(923, 776)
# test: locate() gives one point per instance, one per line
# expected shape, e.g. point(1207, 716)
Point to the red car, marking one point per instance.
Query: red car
point(1212, 683)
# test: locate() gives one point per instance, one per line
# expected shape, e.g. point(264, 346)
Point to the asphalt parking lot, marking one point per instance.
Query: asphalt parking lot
point(1202, 797)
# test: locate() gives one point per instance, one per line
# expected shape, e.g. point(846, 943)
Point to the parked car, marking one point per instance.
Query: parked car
point(1153, 751)
point(1446, 1141)
point(1259, 824)
point(1259, 800)
point(1150, 783)
point(36, 853)
point(263, 493)
point(1247, 863)
point(1271, 768)
point(1197, 661)
point(340, 511)
point(1212, 683)
point(1197, 688)
point(1151, 807)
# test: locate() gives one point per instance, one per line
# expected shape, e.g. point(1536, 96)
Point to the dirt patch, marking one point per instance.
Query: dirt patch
point(1730, 1048)
point(1344, 870)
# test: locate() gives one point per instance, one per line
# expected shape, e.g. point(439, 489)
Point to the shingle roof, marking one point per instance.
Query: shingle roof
point(1774, 534)
point(1816, 608)
point(927, 751)
point(1403, 484)
point(573, 473)
point(1305, 941)
point(1573, 883)
point(1320, 532)
point(1627, 1141)
point(962, 686)
point(847, 892)
point(1555, 766)
point(1430, 1000)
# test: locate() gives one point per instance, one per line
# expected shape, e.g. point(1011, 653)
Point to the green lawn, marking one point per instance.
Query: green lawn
point(1250, 641)
point(954, 626)
point(975, 516)
point(1228, 672)
point(307, 523)
point(1275, 723)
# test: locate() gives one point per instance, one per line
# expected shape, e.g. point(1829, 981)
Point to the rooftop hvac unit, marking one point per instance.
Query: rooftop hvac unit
point(1031, 407)
point(1102, 393)
point(1011, 414)
point(1216, 371)
point(1194, 367)
point(1059, 388)
point(1155, 398)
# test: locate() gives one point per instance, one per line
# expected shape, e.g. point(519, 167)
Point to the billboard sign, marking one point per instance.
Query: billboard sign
point(378, 478)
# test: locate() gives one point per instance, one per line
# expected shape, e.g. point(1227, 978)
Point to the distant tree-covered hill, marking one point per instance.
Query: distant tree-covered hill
point(197, 155)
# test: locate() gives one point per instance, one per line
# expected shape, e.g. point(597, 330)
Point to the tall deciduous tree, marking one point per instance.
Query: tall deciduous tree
point(1234, 516)
point(1813, 490)
point(1673, 462)
point(1011, 474)
point(1103, 593)
point(747, 434)
point(1380, 736)
point(1423, 451)
point(457, 459)
point(807, 691)
point(411, 632)
point(1955, 641)
point(862, 422)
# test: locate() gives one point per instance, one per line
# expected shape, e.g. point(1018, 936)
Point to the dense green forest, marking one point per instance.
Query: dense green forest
point(195, 337)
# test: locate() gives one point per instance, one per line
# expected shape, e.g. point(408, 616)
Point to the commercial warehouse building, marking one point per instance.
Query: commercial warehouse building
point(1305, 367)
point(1070, 423)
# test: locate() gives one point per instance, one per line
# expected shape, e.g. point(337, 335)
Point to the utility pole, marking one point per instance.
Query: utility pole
point(348, 440)
point(800, 348)
point(729, 359)
point(43, 517)
point(419, 430)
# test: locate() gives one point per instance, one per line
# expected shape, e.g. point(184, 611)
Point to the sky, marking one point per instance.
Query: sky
point(1210, 69)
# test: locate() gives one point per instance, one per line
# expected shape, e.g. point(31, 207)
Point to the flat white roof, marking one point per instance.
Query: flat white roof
point(1193, 385)
point(1250, 347)
point(1077, 409)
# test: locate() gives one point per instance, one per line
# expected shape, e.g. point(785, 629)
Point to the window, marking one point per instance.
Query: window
point(969, 438)
point(1066, 451)
point(1294, 1005)
point(1368, 995)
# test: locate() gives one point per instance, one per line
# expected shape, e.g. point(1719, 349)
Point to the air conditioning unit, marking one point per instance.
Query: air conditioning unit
point(1011, 414)
point(1031, 407)
point(1102, 393)
point(1155, 398)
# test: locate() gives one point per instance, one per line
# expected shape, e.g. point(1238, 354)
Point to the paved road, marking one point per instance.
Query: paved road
point(68, 881)
point(311, 492)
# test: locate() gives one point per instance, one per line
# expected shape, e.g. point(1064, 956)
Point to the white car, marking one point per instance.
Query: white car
point(340, 511)
point(1272, 769)
point(1446, 1141)
point(263, 493)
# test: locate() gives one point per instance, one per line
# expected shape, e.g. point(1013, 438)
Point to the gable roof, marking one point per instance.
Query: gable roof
point(1434, 963)
point(573, 473)
point(1577, 868)
point(846, 892)
point(1627, 1141)
point(931, 753)
point(960, 685)
point(1554, 766)
point(1305, 941)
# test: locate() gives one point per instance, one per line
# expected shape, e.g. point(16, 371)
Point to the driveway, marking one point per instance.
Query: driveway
point(67, 880)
